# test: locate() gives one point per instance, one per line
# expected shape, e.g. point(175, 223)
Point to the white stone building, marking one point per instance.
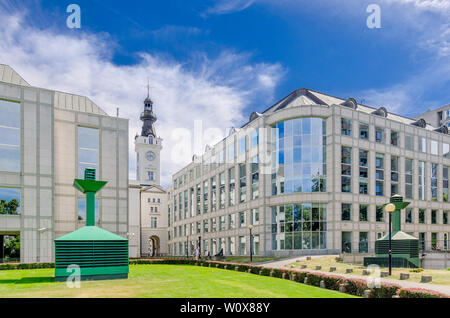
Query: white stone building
point(148, 200)
point(47, 139)
point(310, 174)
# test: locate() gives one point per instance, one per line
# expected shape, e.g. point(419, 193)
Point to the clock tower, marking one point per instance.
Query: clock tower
point(148, 147)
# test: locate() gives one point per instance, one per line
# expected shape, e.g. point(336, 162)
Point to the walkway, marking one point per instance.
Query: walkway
point(444, 289)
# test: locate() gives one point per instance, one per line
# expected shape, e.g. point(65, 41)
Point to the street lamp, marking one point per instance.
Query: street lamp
point(199, 247)
point(390, 208)
point(250, 227)
point(187, 245)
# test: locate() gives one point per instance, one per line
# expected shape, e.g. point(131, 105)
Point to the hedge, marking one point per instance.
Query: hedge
point(352, 286)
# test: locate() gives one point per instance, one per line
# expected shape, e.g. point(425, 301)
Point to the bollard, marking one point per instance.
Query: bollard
point(303, 266)
point(404, 276)
point(426, 279)
point(342, 288)
point(308, 258)
point(365, 272)
point(332, 269)
point(318, 268)
point(305, 281)
point(322, 284)
point(349, 270)
point(367, 293)
point(384, 274)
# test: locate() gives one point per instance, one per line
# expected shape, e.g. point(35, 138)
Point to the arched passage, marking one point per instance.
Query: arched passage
point(154, 244)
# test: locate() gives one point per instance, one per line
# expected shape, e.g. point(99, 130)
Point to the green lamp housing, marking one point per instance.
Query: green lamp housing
point(405, 247)
point(98, 253)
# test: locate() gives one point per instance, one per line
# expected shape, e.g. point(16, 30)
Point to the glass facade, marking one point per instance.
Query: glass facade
point(9, 201)
point(299, 163)
point(299, 226)
point(88, 145)
point(9, 136)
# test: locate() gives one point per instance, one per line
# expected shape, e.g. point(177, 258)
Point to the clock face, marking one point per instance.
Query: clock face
point(150, 155)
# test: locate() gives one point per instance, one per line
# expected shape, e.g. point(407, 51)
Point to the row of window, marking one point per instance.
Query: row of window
point(213, 246)
point(213, 192)
point(380, 137)
point(363, 214)
point(346, 175)
point(219, 158)
point(234, 220)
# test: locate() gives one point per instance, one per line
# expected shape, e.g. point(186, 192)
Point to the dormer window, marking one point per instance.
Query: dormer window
point(150, 140)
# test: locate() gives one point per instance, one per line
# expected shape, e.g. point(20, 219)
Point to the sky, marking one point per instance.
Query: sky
point(215, 62)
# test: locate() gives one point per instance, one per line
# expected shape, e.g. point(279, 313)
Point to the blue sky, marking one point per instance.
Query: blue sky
point(209, 59)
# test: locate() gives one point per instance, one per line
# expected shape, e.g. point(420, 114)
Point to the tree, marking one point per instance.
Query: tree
point(12, 246)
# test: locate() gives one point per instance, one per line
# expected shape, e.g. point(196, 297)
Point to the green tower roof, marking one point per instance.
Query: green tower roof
point(91, 233)
point(399, 235)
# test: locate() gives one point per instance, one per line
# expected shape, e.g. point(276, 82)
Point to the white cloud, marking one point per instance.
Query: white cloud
point(229, 6)
point(214, 90)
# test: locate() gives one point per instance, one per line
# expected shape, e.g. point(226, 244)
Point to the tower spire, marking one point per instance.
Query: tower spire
point(147, 116)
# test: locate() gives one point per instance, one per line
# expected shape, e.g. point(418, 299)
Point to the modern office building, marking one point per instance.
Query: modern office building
point(148, 200)
point(437, 117)
point(311, 174)
point(48, 138)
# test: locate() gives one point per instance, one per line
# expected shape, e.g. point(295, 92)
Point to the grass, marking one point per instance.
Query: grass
point(165, 281)
point(440, 277)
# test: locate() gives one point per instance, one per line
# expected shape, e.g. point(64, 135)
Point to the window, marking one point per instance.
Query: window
point(446, 150)
point(230, 150)
point(346, 169)
point(231, 246)
point(213, 225)
point(254, 138)
point(82, 209)
point(379, 213)
point(363, 242)
point(242, 219)
point(422, 216)
point(445, 184)
point(255, 177)
point(394, 175)
point(408, 178)
point(409, 215)
point(199, 196)
point(346, 127)
point(254, 216)
point(394, 138)
point(232, 186)
point(242, 250)
point(231, 221)
point(434, 182)
point(222, 190)
point(363, 213)
point(346, 213)
point(242, 145)
point(379, 135)
point(205, 226)
point(445, 217)
point(151, 175)
point(421, 188)
point(299, 156)
point(434, 147)
point(205, 196)
point(9, 201)
point(379, 174)
point(422, 144)
point(9, 136)
point(434, 216)
point(222, 223)
point(213, 194)
point(363, 131)
point(409, 142)
point(242, 182)
point(363, 172)
point(153, 223)
point(87, 150)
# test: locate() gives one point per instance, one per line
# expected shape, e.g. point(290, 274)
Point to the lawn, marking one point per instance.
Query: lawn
point(441, 277)
point(166, 281)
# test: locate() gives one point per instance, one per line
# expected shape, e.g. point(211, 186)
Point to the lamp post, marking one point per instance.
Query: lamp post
point(250, 227)
point(199, 247)
point(390, 208)
point(187, 246)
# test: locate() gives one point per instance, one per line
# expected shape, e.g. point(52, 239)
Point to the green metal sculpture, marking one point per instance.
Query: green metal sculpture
point(405, 247)
point(97, 253)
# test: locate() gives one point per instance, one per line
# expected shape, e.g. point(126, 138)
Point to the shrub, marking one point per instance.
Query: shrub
point(385, 291)
point(355, 286)
point(419, 293)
